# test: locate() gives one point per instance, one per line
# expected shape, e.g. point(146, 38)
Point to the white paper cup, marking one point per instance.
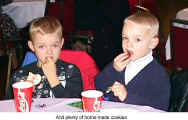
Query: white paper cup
point(92, 100)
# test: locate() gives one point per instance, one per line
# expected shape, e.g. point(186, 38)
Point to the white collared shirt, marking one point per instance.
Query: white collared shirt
point(134, 67)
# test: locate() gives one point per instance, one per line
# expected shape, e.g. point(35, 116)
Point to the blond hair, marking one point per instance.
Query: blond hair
point(45, 25)
point(145, 19)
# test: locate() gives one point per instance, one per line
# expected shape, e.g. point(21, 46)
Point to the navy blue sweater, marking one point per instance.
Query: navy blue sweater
point(150, 87)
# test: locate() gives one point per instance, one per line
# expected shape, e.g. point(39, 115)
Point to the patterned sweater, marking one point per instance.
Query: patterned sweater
point(68, 74)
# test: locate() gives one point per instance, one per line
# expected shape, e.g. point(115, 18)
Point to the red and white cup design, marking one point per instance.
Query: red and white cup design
point(92, 100)
point(23, 96)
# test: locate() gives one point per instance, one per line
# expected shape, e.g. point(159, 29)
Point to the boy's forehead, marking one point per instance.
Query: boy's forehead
point(134, 29)
point(48, 38)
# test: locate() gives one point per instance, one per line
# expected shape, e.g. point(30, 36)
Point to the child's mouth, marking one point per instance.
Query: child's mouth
point(130, 53)
point(49, 57)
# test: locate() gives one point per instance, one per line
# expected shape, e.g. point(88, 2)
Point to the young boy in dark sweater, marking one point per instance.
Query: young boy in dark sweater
point(135, 77)
point(58, 78)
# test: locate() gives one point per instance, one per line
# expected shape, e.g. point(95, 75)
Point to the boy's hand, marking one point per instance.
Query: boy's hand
point(121, 61)
point(35, 79)
point(32, 83)
point(49, 69)
point(119, 91)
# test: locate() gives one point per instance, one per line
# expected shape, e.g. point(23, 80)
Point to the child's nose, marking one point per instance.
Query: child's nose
point(49, 51)
point(127, 43)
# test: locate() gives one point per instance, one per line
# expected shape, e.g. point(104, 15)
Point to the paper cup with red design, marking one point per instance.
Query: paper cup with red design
point(92, 100)
point(23, 96)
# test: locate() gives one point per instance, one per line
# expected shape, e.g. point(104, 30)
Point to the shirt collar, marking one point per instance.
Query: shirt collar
point(134, 67)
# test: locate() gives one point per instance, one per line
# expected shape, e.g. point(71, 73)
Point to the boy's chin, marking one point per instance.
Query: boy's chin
point(55, 60)
point(134, 58)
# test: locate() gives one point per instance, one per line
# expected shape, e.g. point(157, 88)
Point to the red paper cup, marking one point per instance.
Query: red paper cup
point(23, 96)
point(92, 100)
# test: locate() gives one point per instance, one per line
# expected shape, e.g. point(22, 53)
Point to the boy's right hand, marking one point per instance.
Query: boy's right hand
point(121, 61)
point(49, 69)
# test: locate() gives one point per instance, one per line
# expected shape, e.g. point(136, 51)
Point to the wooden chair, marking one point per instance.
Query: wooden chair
point(133, 4)
point(5, 68)
point(179, 43)
point(144, 5)
point(179, 91)
point(139, 8)
point(150, 5)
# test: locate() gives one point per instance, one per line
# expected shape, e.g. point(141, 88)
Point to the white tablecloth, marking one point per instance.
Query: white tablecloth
point(182, 14)
point(24, 12)
point(61, 105)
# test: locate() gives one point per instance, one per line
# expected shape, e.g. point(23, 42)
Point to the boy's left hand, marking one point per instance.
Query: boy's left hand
point(49, 69)
point(119, 91)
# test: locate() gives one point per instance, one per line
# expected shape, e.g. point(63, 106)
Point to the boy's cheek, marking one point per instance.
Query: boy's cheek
point(42, 60)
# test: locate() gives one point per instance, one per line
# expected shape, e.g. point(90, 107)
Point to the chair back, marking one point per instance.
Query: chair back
point(179, 43)
point(150, 5)
point(81, 40)
point(29, 58)
point(179, 91)
point(133, 4)
point(5, 68)
point(139, 8)
point(85, 63)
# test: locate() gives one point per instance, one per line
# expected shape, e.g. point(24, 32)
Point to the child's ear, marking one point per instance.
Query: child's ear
point(30, 44)
point(62, 42)
point(154, 43)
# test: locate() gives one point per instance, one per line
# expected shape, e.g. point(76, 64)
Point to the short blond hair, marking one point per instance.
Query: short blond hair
point(145, 19)
point(45, 25)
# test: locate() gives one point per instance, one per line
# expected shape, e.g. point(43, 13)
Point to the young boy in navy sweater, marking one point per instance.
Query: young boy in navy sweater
point(135, 77)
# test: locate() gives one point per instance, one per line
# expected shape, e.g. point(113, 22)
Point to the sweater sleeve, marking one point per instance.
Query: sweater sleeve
point(73, 85)
point(106, 78)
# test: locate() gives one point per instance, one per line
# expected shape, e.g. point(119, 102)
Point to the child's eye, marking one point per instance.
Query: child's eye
point(124, 38)
point(138, 39)
point(41, 46)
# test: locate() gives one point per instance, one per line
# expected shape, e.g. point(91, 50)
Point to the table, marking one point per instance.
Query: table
point(61, 105)
point(24, 11)
point(182, 14)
